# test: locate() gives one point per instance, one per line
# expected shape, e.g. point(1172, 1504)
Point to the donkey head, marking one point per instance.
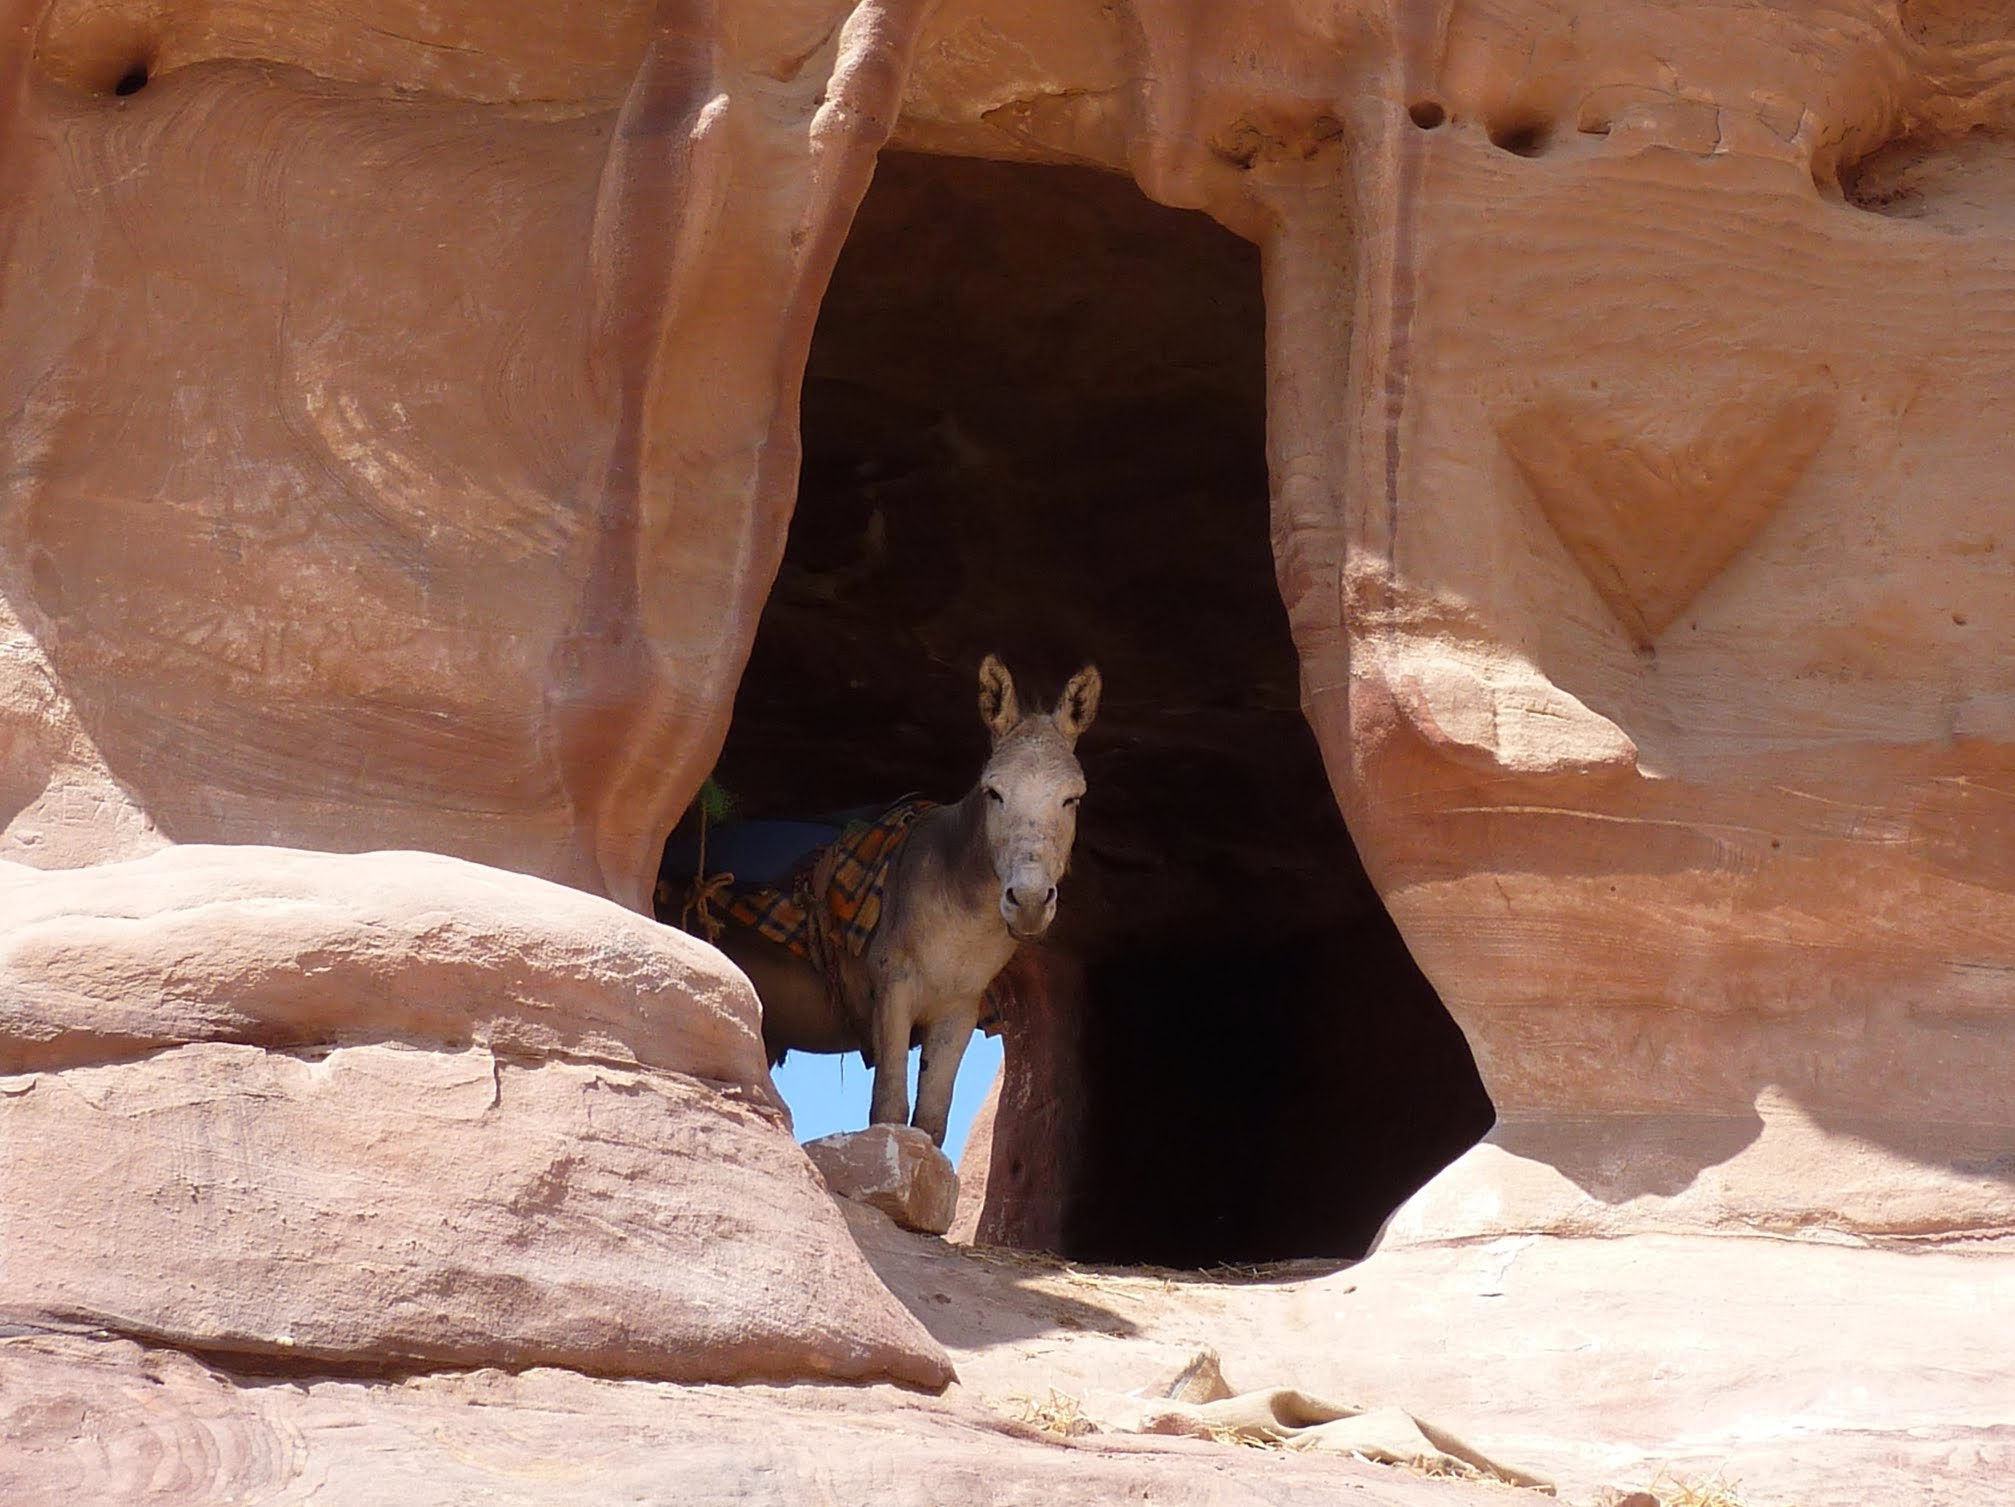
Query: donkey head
point(1032, 785)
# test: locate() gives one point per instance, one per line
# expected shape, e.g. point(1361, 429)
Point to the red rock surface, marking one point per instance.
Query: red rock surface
point(428, 1115)
point(1595, 1362)
point(438, 513)
point(427, 498)
point(105, 1424)
point(278, 948)
point(401, 430)
point(1630, 433)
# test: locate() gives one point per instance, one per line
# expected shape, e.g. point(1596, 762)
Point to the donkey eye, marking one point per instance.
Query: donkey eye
point(995, 796)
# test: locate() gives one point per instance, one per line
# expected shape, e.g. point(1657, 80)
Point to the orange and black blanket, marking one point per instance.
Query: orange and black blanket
point(847, 880)
point(834, 898)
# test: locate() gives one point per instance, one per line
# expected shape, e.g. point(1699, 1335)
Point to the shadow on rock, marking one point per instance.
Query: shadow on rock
point(969, 1300)
point(1616, 1160)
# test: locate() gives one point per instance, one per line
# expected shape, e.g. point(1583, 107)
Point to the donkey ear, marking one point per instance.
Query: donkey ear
point(1079, 703)
point(998, 708)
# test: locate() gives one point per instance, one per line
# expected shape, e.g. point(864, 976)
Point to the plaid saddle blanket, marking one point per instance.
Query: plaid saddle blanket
point(849, 880)
point(856, 865)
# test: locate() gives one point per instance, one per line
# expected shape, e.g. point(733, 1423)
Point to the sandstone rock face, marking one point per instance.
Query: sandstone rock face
point(426, 1114)
point(976, 1169)
point(1635, 512)
point(449, 529)
point(399, 414)
point(1861, 1376)
point(1019, 1153)
point(894, 1168)
point(107, 1424)
point(434, 514)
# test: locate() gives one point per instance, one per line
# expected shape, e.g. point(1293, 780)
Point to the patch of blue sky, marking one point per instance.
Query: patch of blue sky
point(828, 1094)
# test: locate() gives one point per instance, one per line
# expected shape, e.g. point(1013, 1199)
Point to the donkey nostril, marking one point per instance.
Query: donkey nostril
point(1013, 900)
point(1050, 898)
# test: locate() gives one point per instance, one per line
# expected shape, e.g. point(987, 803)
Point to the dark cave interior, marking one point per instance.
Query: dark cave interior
point(1034, 425)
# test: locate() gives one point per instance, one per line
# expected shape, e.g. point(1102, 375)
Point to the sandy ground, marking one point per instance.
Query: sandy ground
point(1801, 1375)
point(1797, 1372)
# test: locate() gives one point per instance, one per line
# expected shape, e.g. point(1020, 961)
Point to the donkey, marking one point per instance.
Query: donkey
point(970, 882)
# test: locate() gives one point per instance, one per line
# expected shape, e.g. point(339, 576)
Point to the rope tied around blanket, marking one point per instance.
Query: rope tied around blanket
point(707, 890)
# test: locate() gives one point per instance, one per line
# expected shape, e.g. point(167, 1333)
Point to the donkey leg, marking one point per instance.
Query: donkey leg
point(945, 1041)
point(895, 1009)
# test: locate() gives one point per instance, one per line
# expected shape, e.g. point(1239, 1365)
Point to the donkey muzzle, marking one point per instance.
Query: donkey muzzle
point(1028, 906)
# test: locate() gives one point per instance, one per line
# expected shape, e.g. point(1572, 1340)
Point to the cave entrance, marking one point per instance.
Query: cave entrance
point(1034, 424)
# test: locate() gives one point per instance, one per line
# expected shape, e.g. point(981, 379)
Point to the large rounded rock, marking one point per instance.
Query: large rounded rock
point(427, 1114)
point(281, 948)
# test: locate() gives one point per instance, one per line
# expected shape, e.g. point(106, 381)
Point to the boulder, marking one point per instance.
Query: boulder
point(895, 1168)
point(280, 948)
point(432, 1115)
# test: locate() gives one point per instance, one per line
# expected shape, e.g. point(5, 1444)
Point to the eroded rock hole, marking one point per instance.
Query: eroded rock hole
point(1521, 138)
point(132, 81)
point(1034, 424)
point(1427, 115)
